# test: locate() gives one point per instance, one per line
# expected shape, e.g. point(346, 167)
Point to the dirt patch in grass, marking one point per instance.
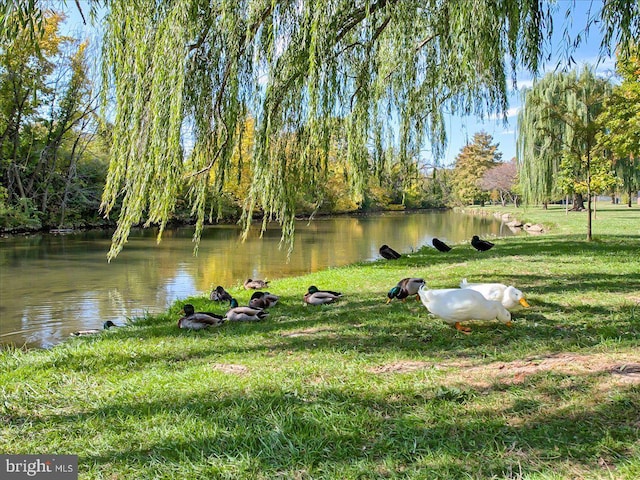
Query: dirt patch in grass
point(401, 367)
point(307, 332)
point(616, 369)
point(230, 368)
point(613, 369)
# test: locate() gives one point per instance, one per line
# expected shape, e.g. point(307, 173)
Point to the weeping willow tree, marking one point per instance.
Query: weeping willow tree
point(557, 130)
point(186, 73)
point(387, 68)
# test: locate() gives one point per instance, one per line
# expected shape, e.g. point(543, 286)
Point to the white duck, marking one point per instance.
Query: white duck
point(509, 296)
point(456, 305)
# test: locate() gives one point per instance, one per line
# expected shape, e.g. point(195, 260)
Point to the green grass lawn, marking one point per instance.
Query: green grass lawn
point(362, 389)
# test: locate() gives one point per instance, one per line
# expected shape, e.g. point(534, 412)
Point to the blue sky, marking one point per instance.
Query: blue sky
point(460, 130)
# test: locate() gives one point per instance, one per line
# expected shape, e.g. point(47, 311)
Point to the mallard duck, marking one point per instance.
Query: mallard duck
point(481, 245)
point(389, 253)
point(105, 326)
point(405, 288)
point(193, 320)
point(440, 245)
point(509, 296)
point(320, 297)
point(220, 295)
point(314, 289)
point(255, 284)
point(456, 305)
point(263, 300)
point(244, 314)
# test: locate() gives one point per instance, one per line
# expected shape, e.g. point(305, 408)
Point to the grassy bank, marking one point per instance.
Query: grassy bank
point(360, 389)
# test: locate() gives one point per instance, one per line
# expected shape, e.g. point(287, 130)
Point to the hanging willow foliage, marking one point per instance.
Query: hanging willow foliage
point(186, 73)
point(558, 121)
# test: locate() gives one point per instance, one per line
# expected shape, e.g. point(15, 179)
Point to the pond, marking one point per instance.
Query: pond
point(52, 285)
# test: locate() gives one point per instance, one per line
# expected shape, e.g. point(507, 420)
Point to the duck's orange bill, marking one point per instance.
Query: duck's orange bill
point(524, 303)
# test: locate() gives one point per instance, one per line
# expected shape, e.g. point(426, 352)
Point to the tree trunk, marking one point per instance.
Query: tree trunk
point(588, 194)
point(578, 202)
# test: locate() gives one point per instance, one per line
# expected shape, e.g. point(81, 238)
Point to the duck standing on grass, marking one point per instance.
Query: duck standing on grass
point(320, 297)
point(250, 283)
point(481, 245)
point(193, 320)
point(456, 305)
point(220, 295)
point(389, 253)
point(405, 288)
point(244, 314)
point(510, 297)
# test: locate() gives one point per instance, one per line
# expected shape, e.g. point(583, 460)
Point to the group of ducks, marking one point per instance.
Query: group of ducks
point(255, 311)
point(472, 301)
point(476, 242)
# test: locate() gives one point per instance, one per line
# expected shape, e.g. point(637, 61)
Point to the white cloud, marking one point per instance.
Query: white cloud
point(512, 112)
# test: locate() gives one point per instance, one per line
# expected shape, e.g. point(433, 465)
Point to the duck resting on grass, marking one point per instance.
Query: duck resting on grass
point(510, 297)
point(105, 326)
point(250, 283)
point(481, 245)
point(220, 295)
point(193, 320)
point(244, 314)
point(440, 245)
point(320, 297)
point(389, 253)
point(457, 305)
point(405, 288)
point(313, 289)
point(263, 300)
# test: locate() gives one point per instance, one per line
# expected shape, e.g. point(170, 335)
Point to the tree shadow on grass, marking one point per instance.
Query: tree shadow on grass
point(326, 429)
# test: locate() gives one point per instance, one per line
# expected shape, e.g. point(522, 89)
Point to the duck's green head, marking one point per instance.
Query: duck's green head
point(312, 289)
point(394, 292)
point(108, 324)
point(234, 303)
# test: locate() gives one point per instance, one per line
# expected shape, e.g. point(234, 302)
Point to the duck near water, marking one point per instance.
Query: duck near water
point(389, 253)
point(405, 288)
point(105, 326)
point(509, 296)
point(193, 320)
point(440, 245)
point(220, 295)
point(457, 305)
point(320, 297)
point(481, 245)
point(263, 300)
point(244, 314)
point(255, 284)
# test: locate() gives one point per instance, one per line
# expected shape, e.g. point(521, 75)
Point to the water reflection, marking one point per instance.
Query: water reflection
point(53, 285)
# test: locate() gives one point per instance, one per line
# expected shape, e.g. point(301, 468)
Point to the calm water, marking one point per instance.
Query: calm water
point(52, 285)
